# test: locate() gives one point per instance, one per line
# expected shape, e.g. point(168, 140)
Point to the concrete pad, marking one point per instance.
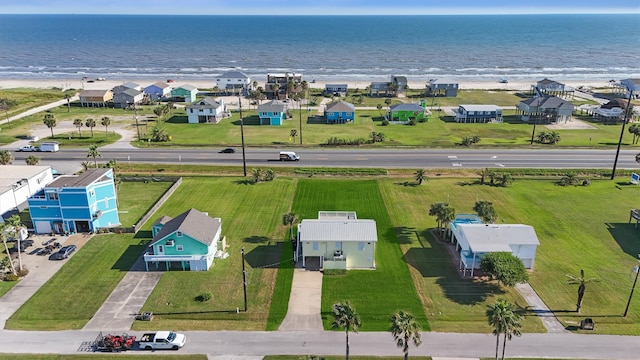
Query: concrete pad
point(541, 310)
point(304, 302)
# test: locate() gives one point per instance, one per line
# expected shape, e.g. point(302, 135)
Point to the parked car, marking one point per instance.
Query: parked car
point(227, 151)
point(33, 138)
point(28, 148)
point(24, 244)
point(63, 253)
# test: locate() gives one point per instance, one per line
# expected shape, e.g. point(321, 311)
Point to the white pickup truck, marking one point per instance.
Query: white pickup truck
point(162, 340)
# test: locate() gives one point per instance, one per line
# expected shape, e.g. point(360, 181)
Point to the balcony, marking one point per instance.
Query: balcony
point(96, 215)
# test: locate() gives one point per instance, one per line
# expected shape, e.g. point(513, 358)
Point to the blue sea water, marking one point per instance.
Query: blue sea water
point(487, 47)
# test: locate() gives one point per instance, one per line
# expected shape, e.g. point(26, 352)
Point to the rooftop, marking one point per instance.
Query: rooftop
point(495, 237)
point(83, 180)
point(338, 230)
point(192, 222)
point(10, 174)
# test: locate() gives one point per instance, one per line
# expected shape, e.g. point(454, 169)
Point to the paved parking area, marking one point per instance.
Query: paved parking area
point(41, 269)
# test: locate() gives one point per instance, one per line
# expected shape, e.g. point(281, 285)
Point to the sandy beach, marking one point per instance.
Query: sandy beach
point(210, 83)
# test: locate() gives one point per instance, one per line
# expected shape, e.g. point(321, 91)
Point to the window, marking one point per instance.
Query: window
point(264, 114)
point(179, 233)
point(338, 245)
point(316, 245)
point(92, 193)
point(191, 111)
point(52, 196)
point(179, 248)
point(361, 246)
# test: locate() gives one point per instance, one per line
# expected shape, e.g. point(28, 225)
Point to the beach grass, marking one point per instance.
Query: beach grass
point(251, 219)
point(29, 98)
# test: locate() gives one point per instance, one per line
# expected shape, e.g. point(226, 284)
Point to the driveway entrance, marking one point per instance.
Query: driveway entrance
point(304, 302)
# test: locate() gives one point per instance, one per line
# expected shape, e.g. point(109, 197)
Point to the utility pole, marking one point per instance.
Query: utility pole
point(637, 270)
point(135, 110)
point(624, 122)
point(244, 169)
point(244, 281)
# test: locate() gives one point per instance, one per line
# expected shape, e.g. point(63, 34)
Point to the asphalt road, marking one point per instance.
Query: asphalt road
point(385, 158)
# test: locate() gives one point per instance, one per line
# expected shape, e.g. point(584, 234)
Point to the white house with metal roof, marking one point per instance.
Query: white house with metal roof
point(478, 113)
point(19, 182)
point(474, 240)
point(337, 240)
point(207, 110)
point(233, 80)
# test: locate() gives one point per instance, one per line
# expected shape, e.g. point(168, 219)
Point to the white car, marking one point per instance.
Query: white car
point(28, 148)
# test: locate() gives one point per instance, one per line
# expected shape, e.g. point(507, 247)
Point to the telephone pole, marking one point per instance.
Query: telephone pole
point(244, 281)
point(624, 122)
point(244, 163)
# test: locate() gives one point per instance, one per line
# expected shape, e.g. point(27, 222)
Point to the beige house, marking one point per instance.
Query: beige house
point(95, 98)
point(337, 240)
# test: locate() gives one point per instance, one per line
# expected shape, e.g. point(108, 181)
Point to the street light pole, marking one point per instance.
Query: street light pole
point(624, 122)
point(244, 159)
point(637, 269)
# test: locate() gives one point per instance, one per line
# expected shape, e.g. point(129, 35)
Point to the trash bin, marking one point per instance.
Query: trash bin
point(586, 324)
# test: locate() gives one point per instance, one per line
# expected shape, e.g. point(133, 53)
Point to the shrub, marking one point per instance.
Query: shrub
point(333, 272)
point(22, 273)
point(385, 122)
point(204, 297)
point(11, 277)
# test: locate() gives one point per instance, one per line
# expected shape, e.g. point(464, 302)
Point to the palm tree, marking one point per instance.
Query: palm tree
point(379, 107)
point(32, 160)
point(91, 123)
point(638, 158)
point(345, 317)
point(435, 210)
point(290, 219)
point(484, 173)
point(78, 123)
point(405, 329)
point(446, 215)
point(105, 121)
point(67, 97)
point(94, 153)
point(420, 176)
point(5, 157)
point(486, 211)
point(513, 324)
point(85, 165)
point(581, 281)
point(257, 175)
point(3, 235)
point(50, 121)
point(498, 314)
point(292, 134)
point(15, 224)
point(276, 89)
point(6, 104)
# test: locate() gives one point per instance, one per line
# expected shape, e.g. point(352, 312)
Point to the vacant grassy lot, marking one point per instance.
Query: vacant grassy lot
point(578, 227)
point(378, 294)
point(135, 198)
point(73, 295)
point(251, 218)
point(83, 140)
point(29, 98)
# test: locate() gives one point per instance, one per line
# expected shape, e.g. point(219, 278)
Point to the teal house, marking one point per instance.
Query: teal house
point(404, 113)
point(186, 93)
point(189, 241)
point(272, 112)
point(339, 112)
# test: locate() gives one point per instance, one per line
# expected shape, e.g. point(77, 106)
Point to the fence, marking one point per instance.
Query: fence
point(157, 205)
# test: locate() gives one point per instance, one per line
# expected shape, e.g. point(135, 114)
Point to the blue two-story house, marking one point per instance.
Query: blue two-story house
point(76, 203)
point(272, 112)
point(339, 112)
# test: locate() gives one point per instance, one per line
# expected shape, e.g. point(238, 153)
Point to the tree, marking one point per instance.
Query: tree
point(446, 216)
point(105, 121)
point(502, 317)
point(15, 225)
point(346, 317)
point(582, 281)
point(6, 104)
point(50, 121)
point(633, 129)
point(387, 102)
point(79, 124)
point(32, 160)
point(85, 165)
point(256, 175)
point(94, 153)
point(504, 267)
point(5, 157)
point(420, 176)
point(289, 219)
point(638, 158)
point(292, 134)
point(91, 123)
point(379, 107)
point(486, 211)
point(506, 179)
point(484, 173)
point(436, 210)
point(3, 235)
point(158, 134)
point(405, 329)
point(269, 175)
point(67, 97)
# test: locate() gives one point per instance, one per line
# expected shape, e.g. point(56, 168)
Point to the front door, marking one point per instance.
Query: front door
point(160, 249)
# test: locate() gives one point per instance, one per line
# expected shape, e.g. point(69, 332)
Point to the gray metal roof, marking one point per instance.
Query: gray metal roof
point(234, 74)
point(335, 215)
point(496, 237)
point(194, 223)
point(547, 102)
point(338, 230)
point(80, 181)
point(340, 106)
point(406, 107)
point(272, 106)
point(206, 103)
point(481, 107)
point(10, 174)
point(160, 85)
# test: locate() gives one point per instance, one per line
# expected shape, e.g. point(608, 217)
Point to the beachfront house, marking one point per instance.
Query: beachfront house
point(126, 86)
point(403, 113)
point(126, 98)
point(335, 89)
point(19, 182)
point(95, 98)
point(474, 240)
point(478, 113)
point(544, 110)
point(442, 87)
point(190, 241)
point(388, 88)
point(272, 112)
point(276, 87)
point(551, 87)
point(185, 93)
point(630, 85)
point(336, 240)
point(339, 112)
point(207, 110)
point(234, 82)
point(401, 83)
point(158, 90)
point(76, 203)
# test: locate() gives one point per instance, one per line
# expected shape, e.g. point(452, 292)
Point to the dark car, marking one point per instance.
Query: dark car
point(24, 244)
point(227, 151)
point(63, 253)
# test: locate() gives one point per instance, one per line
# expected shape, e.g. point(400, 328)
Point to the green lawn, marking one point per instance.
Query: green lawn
point(5, 286)
point(376, 295)
point(29, 98)
point(83, 140)
point(251, 219)
point(578, 227)
point(73, 295)
point(98, 356)
point(135, 198)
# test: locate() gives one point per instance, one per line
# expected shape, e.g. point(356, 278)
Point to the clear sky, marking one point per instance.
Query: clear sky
point(317, 7)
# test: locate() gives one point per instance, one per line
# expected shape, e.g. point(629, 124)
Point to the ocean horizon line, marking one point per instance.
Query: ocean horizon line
point(632, 12)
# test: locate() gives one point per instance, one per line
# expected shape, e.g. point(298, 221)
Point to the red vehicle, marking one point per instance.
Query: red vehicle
point(114, 343)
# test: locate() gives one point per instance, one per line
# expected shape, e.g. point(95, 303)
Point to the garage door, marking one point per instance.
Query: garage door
point(42, 227)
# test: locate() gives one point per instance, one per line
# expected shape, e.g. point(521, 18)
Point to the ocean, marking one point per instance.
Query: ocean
point(338, 48)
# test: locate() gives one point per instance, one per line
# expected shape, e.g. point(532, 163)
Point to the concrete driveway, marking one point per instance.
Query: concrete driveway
point(304, 302)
